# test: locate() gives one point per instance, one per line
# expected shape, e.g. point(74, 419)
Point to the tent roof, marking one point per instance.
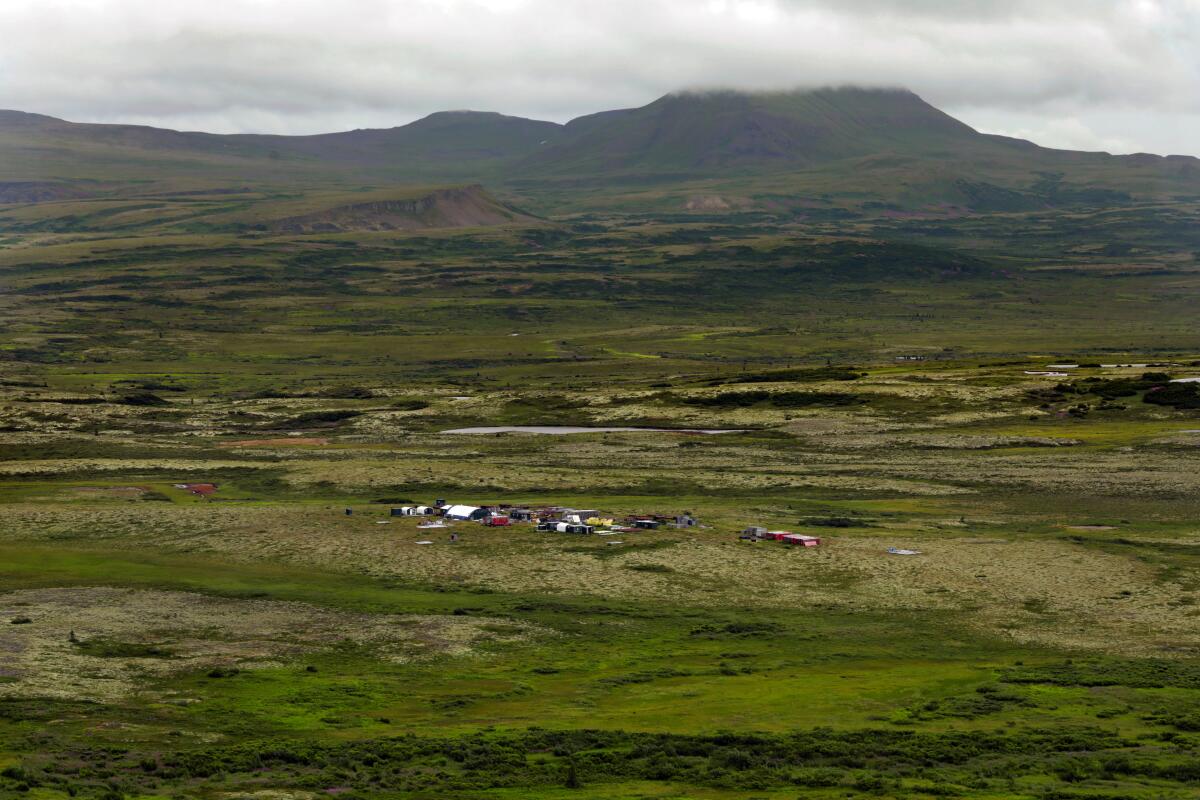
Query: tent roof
point(459, 511)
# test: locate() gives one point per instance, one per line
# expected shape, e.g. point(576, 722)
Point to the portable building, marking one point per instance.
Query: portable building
point(465, 513)
point(201, 489)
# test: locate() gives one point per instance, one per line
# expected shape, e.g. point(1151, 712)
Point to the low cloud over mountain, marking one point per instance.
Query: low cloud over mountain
point(1122, 75)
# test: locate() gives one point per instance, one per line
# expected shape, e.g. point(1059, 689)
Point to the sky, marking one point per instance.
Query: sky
point(1116, 75)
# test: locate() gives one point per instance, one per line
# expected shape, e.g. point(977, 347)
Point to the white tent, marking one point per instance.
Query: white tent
point(464, 512)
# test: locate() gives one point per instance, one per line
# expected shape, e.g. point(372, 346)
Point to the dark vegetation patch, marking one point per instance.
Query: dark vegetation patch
point(222, 672)
point(795, 375)
point(84, 448)
point(774, 399)
point(848, 260)
point(1181, 719)
point(871, 761)
point(1176, 395)
point(1155, 388)
point(1146, 547)
point(66, 401)
point(151, 385)
point(835, 522)
point(983, 196)
point(1116, 387)
point(661, 569)
point(984, 701)
point(111, 648)
point(347, 393)
point(142, 398)
point(644, 677)
point(545, 408)
point(738, 630)
point(317, 419)
point(409, 404)
point(1150, 673)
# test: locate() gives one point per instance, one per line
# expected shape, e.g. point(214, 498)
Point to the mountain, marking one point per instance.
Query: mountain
point(838, 147)
point(445, 145)
point(842, 147)
point(440, 140)
point(52, 132)
point(77, 156)
point(716, 131)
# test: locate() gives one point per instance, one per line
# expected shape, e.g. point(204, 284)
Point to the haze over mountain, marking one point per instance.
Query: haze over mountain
point(889, 143)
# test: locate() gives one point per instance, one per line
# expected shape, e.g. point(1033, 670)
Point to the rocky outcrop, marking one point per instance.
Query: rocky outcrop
point(458, 207)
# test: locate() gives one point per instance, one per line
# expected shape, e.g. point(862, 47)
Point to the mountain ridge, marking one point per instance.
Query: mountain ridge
point(865, 144)
point(436, 119)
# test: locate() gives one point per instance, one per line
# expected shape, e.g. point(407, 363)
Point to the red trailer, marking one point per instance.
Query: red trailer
point(801, 540)
point(777, 535)
point(496, 521)
point(201, 489)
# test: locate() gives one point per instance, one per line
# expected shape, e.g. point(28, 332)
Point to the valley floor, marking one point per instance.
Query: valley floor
point(203, 593)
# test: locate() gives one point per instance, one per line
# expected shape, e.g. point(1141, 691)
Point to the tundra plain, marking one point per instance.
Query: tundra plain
point(889, 380)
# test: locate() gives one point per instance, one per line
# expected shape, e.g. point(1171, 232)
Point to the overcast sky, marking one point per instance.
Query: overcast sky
point(1117, 75)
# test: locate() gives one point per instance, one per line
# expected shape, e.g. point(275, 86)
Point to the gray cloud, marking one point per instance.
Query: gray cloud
point(1106, 74)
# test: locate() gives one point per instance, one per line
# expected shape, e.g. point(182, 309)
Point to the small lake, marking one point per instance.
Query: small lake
point(564, 429)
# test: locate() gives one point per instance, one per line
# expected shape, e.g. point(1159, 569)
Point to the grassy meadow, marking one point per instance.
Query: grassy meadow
point(884, 380)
